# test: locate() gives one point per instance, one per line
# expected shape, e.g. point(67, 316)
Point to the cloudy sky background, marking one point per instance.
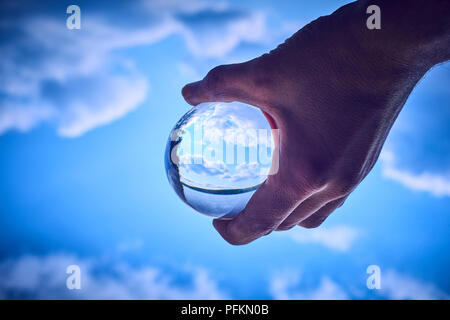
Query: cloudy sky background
point(84, 118)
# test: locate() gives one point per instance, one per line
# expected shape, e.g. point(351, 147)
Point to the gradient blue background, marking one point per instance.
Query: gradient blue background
point(84, 118)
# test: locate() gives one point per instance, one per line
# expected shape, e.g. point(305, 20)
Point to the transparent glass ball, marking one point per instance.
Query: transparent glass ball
point(217, 156)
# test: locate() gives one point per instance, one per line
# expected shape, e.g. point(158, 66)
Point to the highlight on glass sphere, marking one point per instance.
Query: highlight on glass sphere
point(217, 156)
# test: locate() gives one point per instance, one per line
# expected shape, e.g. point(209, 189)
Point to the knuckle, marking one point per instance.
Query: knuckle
point(312, 223)
point(264, 227)
point(346, 182)
point(306, 183)
point(215, 76)
point(314, 173)
point(291, 186)
point(263, 78)
point(317, 175)
point(283, 190)
point(285, 227)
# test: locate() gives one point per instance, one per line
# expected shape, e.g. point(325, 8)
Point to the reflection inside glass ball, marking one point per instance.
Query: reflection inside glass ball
point(217, 155)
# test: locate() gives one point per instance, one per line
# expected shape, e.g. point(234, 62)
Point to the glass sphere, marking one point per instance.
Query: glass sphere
point(217, 156)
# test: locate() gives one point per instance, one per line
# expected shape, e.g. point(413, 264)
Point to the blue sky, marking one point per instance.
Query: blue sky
point(84, 118)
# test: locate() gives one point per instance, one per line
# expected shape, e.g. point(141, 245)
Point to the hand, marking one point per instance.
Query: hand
point(334, 96)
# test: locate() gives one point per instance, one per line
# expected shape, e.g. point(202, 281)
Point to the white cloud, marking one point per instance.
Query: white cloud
point(189, 71)
point(23, 117)
point(117, 97)
point(284, 286)
point(130, 245)
point(36, 57)
point(69, 81)
point(437, 185)
point(217, 42)
point(44, 277)
point(200, 165)
point(397, 286)
point(339, 238)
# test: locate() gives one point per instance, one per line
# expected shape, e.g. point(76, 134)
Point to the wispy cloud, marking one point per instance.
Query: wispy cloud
point(70, 79)
point(285, 286)
point(397, 286)
point(339, 238)
point(44, 277)
point(80, 80)
point(437, 185)
point(130, 245)
point(232, 28)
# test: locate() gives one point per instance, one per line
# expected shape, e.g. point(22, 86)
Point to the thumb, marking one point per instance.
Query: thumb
point(224, 83)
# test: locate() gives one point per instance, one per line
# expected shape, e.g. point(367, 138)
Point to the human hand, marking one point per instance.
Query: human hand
point(334, 96)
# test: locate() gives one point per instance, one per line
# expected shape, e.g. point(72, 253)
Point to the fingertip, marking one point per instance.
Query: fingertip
point(222, 227)
point(189, 92)
point(217, 224)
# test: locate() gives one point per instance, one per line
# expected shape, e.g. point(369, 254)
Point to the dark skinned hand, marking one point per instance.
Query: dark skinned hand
point(333, 89)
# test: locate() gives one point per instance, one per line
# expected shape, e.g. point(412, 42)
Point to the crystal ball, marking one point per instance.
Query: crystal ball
point(217, 156)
